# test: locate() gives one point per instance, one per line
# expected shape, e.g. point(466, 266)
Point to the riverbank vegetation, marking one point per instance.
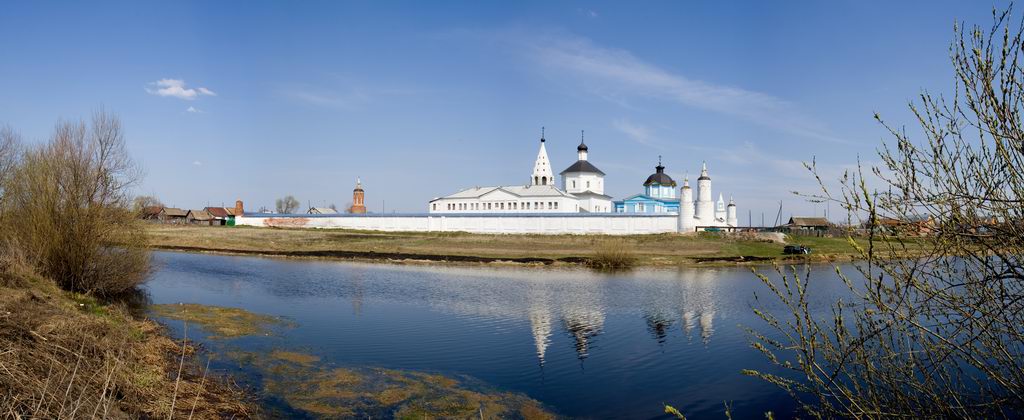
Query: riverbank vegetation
point(937, 336)
point(71, 258)
point(663, 250)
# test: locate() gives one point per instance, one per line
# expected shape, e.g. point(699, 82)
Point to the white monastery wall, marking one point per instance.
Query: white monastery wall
point(551, 224)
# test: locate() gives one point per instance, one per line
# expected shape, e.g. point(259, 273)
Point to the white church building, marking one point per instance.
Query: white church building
point(582, 191)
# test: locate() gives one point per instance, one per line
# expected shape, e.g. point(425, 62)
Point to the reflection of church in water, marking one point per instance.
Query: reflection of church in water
point(582, 317)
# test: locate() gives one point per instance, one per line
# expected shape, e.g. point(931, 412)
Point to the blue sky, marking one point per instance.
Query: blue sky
point(420, 99)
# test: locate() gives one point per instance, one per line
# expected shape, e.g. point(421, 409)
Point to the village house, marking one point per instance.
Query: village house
point(199, 217)
point(150, 212)
point(172, 215)
point(321, 210)
point(807, 224)
point(221, 216)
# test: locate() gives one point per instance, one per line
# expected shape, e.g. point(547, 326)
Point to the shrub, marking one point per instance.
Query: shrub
point(66, 205)
point(612, 256)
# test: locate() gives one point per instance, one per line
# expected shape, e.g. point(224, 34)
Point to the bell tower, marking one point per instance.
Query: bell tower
point(542, 174)
point(358, 207)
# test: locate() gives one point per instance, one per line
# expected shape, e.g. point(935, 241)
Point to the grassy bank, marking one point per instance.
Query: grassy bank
point(67, 355)
point(643, 250)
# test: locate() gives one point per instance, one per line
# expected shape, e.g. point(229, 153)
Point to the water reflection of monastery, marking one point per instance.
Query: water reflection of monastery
point(582, 314)
point(576, 306)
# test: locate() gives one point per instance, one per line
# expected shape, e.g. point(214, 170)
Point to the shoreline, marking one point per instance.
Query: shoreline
point(572, 262)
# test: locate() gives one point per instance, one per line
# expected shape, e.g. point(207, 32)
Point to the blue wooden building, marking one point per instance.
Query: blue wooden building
point(660, 195)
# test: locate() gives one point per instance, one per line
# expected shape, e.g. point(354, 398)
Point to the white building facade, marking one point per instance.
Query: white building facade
point(582, 191)
point(704, 213)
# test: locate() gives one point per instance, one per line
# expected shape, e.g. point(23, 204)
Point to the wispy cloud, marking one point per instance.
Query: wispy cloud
point(197, 163)
point(638, 133)
point(193, 110)
point(610, 72)
point(176, 88)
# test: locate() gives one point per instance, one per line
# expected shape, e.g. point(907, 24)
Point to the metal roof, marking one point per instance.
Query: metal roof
point(321, 210)
point(660, 177)
point(582, 166)
point(217, 211)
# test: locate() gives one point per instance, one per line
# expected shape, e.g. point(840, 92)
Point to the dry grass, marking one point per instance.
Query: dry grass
point(66, 355)
point(613, 256)
point(649, 250)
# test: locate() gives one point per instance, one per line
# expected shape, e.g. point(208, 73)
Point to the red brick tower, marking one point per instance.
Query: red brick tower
point(357, 199)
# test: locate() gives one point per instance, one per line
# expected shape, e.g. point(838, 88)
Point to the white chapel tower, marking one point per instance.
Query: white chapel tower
point(542, 174)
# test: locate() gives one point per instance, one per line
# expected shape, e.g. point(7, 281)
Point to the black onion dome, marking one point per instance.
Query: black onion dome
point(660, 177)
point(582, 147)
point(704, 178)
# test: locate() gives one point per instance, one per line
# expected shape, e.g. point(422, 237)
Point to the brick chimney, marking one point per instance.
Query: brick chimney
point(239, 209)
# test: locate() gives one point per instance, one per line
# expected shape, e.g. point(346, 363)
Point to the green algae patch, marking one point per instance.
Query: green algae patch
point(219, 321)
point(325, 391)
point(294, 357)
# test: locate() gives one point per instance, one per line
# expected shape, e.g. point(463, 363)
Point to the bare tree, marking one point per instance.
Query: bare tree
point(141, 202)
point(935, 325)
point(288, 204)
point(66, 206)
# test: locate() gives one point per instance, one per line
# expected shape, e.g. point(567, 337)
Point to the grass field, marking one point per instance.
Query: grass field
point(646, 250)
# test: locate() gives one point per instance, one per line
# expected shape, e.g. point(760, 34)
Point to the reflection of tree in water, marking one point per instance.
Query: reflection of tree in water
point(699, 303)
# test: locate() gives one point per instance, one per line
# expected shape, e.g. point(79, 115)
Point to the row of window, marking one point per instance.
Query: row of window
point(512, 205)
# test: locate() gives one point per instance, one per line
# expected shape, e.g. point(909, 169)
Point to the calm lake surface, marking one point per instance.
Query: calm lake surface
point(584, 344)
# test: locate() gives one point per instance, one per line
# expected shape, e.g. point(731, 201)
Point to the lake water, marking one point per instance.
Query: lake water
point(584, 344)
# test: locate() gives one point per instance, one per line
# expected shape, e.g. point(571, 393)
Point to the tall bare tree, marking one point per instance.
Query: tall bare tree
point(287, 204)
point(139, 203)
point(936, 323)
point(66, 206)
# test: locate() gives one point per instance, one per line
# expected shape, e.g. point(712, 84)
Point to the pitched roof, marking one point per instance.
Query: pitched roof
point(174, 212)
point(217, 211)
point(151, 210)
point(808, 221)
point(582, 166)
point(200, 215)
point(322, 210)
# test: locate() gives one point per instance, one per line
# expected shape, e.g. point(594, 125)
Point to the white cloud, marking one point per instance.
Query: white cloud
point(193, 110)
point(176, 88)
point(321, 98)
point(635, 132)
point(197, 163)
point(612, 73)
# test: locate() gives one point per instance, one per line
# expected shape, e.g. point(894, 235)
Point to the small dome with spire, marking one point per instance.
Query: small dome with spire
point(582, 147)
point(660, 177)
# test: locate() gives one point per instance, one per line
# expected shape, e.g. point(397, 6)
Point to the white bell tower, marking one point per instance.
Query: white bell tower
point(542, 174)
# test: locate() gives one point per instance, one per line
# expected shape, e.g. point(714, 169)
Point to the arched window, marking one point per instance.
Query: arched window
point(574, 183)
point(588, 184)
point(543, 180)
